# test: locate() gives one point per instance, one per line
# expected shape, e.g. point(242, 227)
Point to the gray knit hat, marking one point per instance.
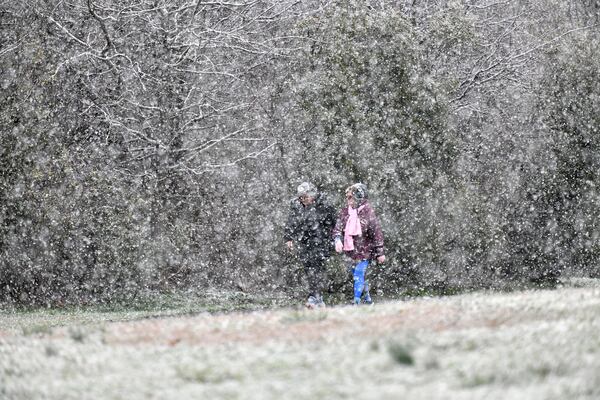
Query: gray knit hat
point(307, 189)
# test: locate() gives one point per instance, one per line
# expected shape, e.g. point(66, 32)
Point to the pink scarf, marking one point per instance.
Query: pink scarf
point(352, 227)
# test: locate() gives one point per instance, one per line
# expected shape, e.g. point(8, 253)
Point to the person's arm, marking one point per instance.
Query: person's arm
point(331, 218)
point(291, 227)
point(377, 234)
point(331, 221)
point(338, 231)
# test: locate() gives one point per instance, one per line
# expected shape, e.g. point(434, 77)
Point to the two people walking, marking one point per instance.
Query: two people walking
point(313, 224)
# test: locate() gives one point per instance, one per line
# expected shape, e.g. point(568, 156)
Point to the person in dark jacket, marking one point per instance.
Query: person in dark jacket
point(308, 232)
point(358, 234)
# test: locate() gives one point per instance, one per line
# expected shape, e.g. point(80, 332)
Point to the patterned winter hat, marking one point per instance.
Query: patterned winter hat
point(359, 192)
point(306, 189)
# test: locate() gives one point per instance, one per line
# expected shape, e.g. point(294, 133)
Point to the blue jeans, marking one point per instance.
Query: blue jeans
point(361, 285)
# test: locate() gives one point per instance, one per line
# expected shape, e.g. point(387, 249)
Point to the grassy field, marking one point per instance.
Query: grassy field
point(521, 345)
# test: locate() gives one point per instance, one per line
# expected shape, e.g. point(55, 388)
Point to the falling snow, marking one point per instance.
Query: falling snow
point(149, 151)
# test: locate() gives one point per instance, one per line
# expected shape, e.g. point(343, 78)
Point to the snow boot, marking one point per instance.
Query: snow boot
point(311, 303)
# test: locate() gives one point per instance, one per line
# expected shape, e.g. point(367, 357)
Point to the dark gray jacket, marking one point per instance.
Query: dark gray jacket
point(310, 228)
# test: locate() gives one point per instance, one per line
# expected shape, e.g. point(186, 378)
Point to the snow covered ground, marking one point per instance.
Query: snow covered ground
point(523, 345)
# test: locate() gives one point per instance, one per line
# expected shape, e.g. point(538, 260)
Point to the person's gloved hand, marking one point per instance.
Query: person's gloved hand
point(380, 259)
point(339, 247)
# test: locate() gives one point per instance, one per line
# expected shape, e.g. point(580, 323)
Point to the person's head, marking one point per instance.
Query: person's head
point(306, 192)
point(356, 195)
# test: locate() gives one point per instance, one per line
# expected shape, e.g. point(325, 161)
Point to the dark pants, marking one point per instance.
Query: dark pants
point(315, 271)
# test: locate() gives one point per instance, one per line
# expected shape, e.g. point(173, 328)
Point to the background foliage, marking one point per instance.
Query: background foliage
point(152, 145)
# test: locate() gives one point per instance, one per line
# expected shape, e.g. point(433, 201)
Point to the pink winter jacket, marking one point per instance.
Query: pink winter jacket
point(369, 246)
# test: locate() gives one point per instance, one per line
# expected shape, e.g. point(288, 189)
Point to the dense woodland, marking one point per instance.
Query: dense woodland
point(151, 145)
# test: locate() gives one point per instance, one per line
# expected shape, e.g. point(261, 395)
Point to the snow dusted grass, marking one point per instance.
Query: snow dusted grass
point(524, 345)
point(165, 305)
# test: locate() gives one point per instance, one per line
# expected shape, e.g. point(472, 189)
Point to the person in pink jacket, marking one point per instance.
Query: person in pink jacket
point(358, 234)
